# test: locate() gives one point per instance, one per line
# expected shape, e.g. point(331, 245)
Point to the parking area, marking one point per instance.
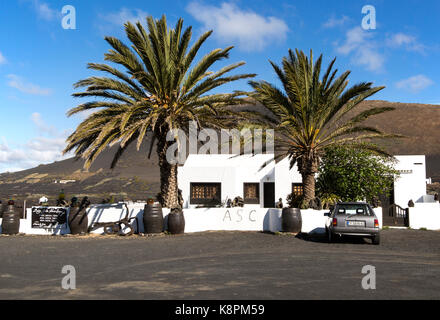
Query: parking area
point(220, 265)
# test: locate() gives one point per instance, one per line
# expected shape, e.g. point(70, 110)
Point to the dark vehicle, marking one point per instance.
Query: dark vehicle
point(353, 219)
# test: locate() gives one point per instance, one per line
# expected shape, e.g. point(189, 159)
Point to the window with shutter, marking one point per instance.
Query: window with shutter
point(251, 192)
point(298, 189)
point(205, 193)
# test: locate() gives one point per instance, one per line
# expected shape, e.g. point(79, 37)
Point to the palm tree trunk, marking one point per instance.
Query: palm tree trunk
point(308, 179)
point(308, 167)
point(168, 197)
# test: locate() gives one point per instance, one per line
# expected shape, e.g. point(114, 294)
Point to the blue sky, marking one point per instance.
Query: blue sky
point(39, 60)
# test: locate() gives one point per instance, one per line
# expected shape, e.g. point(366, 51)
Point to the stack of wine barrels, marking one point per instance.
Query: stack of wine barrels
point(11, 219)
point(153, 218)
point(291, 220)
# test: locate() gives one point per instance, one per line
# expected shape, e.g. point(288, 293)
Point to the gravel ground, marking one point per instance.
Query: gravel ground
point(220, 265)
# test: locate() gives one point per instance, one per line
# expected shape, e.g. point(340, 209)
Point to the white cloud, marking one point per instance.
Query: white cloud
point(405, 40)
point(35, 152)
point(2, 59)
point(26, 87)
point(354, 38)
point(41, 125)
point(364, 50)
point(335, 22)
point(415, 84)
point(231, 24)
point(44, 11)
point(370, 58)
point(122, 16)
point(44, 148)
point(399, 39)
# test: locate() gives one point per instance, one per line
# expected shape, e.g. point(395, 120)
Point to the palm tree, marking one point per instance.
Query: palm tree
point(314, 112)
point(159, 90)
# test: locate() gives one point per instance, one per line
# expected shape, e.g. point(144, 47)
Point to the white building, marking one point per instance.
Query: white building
point(411, 185)
point(213, 179)
point(210, 180)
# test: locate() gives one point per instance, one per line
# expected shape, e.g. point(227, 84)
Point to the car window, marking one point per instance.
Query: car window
point(352, 209)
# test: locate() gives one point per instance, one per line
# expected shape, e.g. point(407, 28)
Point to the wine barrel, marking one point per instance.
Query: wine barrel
point(291, 220)
point(78, 220)
point(10, 221)
point(176, 222)
point(153, 218)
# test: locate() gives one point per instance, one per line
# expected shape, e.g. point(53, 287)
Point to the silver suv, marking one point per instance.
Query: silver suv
point(353, 219)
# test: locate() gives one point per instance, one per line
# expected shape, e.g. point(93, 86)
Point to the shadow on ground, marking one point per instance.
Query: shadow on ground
point(322, 238)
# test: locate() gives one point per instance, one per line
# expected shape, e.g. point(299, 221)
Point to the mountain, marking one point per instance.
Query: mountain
point(137, 177)
point(419, 123)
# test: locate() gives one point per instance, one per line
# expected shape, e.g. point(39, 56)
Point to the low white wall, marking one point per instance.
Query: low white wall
point(313, 221)
point(198, 220)
point(411, 184)
point(379, 215)
point(232, 219)
point(116, 212)
point(95, 213)
point(26, 227)
point(248, 219)
point(425, 215)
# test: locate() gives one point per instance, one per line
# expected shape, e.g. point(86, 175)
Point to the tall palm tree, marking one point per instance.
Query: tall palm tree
point(314, 112)
point(159, 90)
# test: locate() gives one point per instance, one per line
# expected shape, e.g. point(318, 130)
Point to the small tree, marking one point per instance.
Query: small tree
point(355, 174)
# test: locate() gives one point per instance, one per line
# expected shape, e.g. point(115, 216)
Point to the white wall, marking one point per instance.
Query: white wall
point(425, 215)
point(233, 172)
point(379, 215)
point(284, 179)
point(231, 219)
point(411, 185)
point(26, 226)
point(95, 213)
point(116, 212)
point(200, 220)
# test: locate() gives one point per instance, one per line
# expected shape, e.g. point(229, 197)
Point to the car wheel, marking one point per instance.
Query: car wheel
point(376, 239)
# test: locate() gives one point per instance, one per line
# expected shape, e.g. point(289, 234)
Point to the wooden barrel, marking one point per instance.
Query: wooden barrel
point(78, 221)
point(153, 218)
point(11, 221)
point(176, 222)
point(291, 220)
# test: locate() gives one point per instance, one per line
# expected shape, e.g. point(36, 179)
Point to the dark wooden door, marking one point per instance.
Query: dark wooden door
point(386, 202)
point(269, 195)
point(396, 217)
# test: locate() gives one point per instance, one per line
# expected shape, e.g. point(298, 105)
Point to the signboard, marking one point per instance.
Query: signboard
point(48, 217)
